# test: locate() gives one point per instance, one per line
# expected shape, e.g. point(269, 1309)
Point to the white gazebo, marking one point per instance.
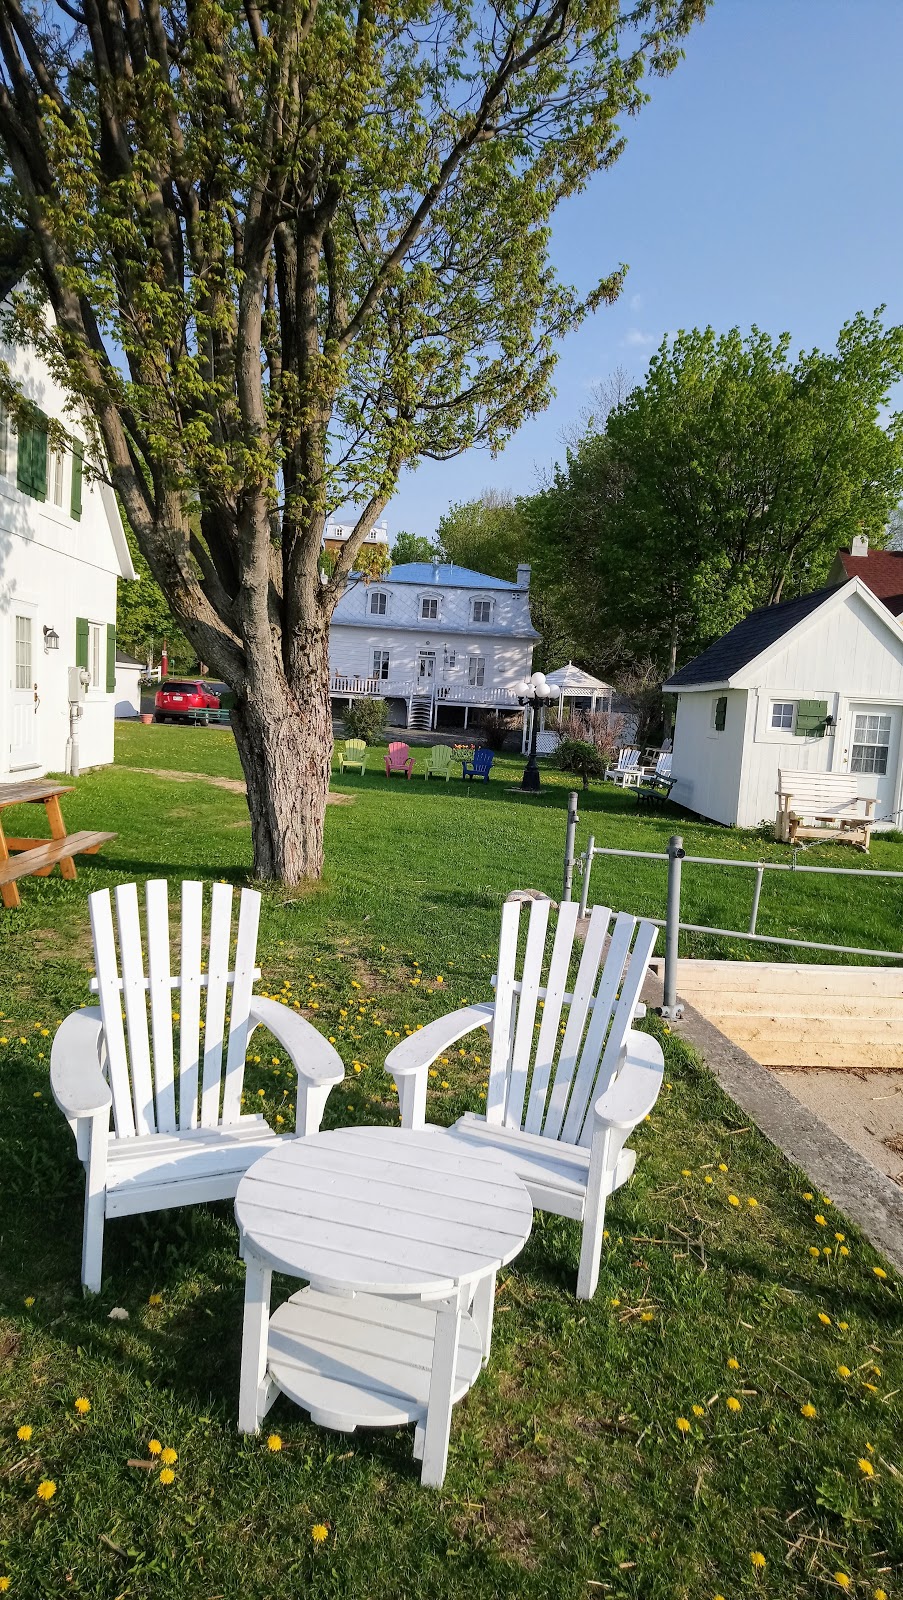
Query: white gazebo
point(571, 683)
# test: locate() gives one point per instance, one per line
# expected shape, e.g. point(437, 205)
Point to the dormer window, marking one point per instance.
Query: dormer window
point(482, 611)
point(429, 607)
point(379, 603)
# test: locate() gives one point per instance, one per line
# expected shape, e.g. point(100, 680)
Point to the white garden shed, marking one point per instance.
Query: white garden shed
point(815, 685)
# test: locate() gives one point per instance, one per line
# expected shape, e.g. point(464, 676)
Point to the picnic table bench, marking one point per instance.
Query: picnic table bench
point(35, 858)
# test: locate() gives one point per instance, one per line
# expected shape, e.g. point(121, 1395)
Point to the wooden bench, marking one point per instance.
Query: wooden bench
point(35, 858)
point(823, 805)
point(41, 859)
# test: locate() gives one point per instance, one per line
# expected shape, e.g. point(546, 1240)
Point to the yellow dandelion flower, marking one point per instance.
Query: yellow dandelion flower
point(155, 1299)
point(808, 1196)
point(46, 1489)
point(814, 1250)
point(722, 1166)
point(647, 1316)
point(699, 1411)
point(840, 1237)
point(29, 1300)
point(4, 1584)
point(844, 1251)
point(319, 1532)
point(733, 1363)
point(825, 1201)
point(154, 1447)
point(880, 1594)
point(808, 1410)
point(757, 1559)
point(25, 1432)
point(732, 1200)
point(732, 1403)
point(827, 1250)
point(167, 1475)
point(686, 1173)
point(82, 1405)
point(843, 1372)
point(616, 1302)
point(274, 1442)
point(823, 1317)
point(872, 1387)
point(169, 1456)
point(843, 1326)
point(683, 1425)
point(842, 1580)
point(879, 1272)
point(708, 1178)
point(821, 1220)
point(865, 1466)
point(751, 1201)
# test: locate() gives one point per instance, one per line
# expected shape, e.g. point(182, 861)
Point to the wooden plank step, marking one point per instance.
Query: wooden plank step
point(785, 977)
point(804, 1007)
point(46, 855)
point(880, 1030)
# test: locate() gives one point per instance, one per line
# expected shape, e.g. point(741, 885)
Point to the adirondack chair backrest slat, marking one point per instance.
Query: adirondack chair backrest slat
point(190, 1004)
point(161, 1002)
point(109, 995)
point(440, 757)
point(627, 758)
point(134, 997)
point(354, 746)
point(482, 761)
point(139, 1061)
point(242, 987)
point(582, 1032)
point(215, 1015)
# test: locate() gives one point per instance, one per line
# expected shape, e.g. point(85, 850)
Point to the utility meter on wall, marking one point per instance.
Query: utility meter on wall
point(79, 680)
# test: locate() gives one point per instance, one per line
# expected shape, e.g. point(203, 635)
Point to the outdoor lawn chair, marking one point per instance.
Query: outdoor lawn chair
point(179, 1135)
point(399, 759)
point(627, 769)
point(561, 1105)
point(353, 755)
point(479, 767)
point(440, 763)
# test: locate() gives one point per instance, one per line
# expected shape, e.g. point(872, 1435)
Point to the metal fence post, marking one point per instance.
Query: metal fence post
point(584, 888)
point(569, 837)
point(676, 852)
point(754, 913)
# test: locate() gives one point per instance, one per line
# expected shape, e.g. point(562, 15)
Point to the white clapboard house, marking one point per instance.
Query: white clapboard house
point(62, 550)
point(811, 685)
point(436, 640)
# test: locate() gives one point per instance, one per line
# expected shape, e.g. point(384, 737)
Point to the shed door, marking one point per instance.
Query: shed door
point(23, 699)
point(871, 751)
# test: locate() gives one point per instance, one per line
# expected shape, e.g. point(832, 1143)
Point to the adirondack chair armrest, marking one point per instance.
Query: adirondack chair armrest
point(635, 1090)
point(410, 1061)
point(312, 1056)
point(78, 1084)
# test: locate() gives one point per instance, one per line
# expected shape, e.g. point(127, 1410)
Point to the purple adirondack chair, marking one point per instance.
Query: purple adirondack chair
point(399, 759)
point(479, 767)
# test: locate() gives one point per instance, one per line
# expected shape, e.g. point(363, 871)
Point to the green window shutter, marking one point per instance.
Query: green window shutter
point(111, 657)
point(81, 642)
point(39, 461)
point(78, 456)
point(811, 717)
point(720, 712)
point(23, 460)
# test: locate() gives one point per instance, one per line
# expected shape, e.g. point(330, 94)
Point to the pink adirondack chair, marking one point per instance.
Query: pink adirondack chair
point(399, 759)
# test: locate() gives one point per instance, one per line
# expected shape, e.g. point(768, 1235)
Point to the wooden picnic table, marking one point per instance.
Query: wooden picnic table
point(35, 858)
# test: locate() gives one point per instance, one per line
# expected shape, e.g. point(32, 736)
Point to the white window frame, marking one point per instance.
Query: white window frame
point(429, 600)
point(481, 600)
point(449, 661)
point(375, 610)
point(23, 651)
point(872, 744)
point(782, 727)
point(97, 657)
point(476, 671)
point(380, 671)
point(56, 478)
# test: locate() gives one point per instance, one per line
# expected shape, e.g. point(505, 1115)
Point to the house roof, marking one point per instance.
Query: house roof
point(573, 680)
point(880, 570)
point(445, 572)
point(746, 641)
point(125, 660)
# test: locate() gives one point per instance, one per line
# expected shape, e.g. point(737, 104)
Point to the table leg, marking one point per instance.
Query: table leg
point(442, 1379)
point(254, 1337)
point(58, 831)
point(482, 1309)
point(9, 892)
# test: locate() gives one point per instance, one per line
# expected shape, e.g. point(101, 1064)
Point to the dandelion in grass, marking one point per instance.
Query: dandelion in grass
point(751, 1201)
point(683, 1425)
point(865, 1467)
point(844, 1251)
point(827, 1250)
point(733, 1200)
point(83, 1405)
point(732, 1403)
point(843, 1326)
point(733, 1363)
point(155, 1299)
point(274, 1442)
point(4, 1583)
point(647, 1316)
point(46, 1489)
point(880, 1594)
point(722, 1166)
point(686, 1173)
point(169, 1456)
point(167, 1475)
point(319, 1532)
point(843, 1372)
point(879, 1272)
point(808, 1410)
point(822, 1223)
point(699, 1411)
point(25, 1432)
point(840, 1237)
point(154, 1447)
point(814, 1251)
point(708, 1178)
point(824, 1318)
point(842, 1580)
point(29, 1300)
point(757, 1559)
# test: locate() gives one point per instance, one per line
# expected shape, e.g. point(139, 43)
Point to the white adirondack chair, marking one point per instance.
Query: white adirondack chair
point(562, 1106)
point(178, 1138)
point(627, 769)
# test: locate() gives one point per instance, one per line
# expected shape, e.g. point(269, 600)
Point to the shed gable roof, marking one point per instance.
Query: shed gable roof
point(747, 640)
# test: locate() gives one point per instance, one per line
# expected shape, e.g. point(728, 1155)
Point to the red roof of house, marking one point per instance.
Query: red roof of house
point(881, 571)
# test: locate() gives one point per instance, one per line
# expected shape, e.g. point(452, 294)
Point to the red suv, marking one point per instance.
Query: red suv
point(184, 700)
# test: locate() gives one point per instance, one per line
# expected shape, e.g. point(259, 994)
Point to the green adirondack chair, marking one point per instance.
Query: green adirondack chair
point(354, 754)
point(440, 762)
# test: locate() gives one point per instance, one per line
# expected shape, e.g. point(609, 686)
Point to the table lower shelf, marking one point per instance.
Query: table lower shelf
point(362, 1363)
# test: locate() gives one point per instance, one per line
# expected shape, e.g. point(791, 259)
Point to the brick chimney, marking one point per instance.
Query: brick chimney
point(860, 545)
point(523, 575)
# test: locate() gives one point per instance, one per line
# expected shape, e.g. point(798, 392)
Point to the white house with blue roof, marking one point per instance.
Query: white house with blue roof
point(437, 640)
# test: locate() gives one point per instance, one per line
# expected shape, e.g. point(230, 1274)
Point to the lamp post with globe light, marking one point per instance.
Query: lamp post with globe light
point(533, 692)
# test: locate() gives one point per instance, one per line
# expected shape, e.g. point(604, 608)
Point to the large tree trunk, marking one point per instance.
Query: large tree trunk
point(284, 739)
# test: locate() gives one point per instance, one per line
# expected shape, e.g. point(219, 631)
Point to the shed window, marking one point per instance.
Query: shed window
point(482, 611)
point(719, 713)
point(782, 714)
point(378, 603)
point(871, 744)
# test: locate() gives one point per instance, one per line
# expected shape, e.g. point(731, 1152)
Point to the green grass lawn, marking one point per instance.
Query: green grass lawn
point(568, 1474)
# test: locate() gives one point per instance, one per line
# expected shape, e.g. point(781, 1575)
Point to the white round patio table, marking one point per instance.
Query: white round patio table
point(400, 1235)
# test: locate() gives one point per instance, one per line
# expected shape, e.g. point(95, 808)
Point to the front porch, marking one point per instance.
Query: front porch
point(423, 698)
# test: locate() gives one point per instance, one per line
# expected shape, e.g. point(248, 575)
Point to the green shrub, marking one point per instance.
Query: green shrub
point(578, 755)
point(365, 719)
point(496, 729)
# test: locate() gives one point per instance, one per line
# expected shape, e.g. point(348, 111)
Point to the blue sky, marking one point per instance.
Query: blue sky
point(763, 183)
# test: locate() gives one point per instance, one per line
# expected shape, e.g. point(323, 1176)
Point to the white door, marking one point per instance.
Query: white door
point(871, 750)
point(426, 669)
point(24, 698)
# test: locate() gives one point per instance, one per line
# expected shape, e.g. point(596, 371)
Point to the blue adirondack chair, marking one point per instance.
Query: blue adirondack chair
point(479, 766)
